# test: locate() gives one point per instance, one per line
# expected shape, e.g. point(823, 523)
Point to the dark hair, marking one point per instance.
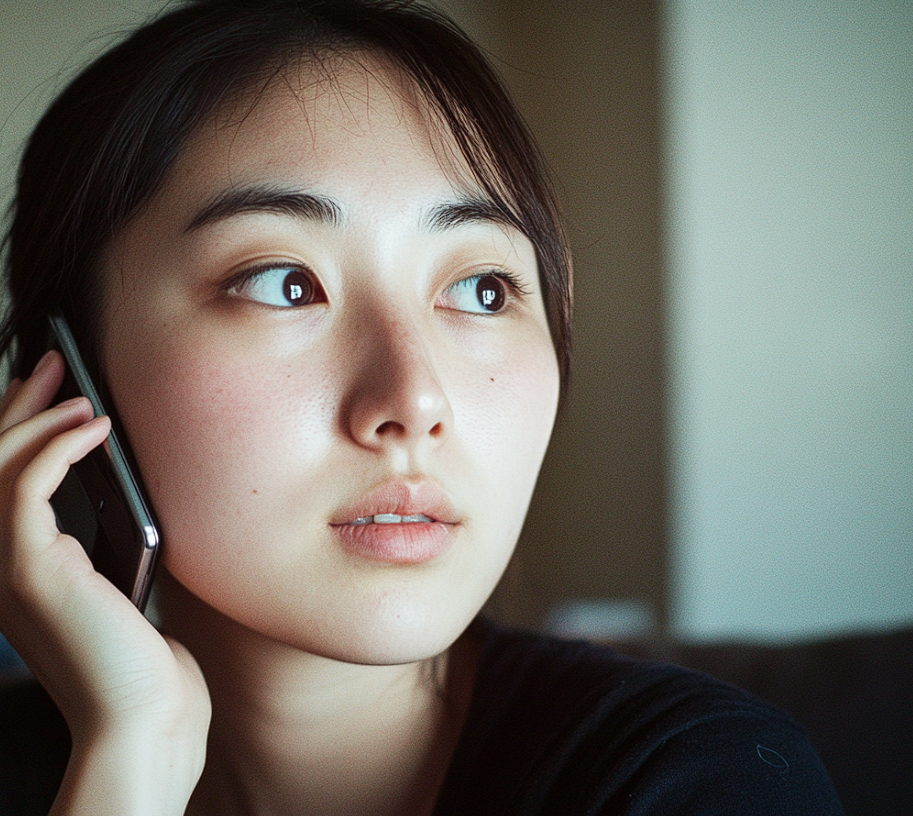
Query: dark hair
point(107, 143)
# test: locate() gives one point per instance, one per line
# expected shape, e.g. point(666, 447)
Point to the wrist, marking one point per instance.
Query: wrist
point(135, 770)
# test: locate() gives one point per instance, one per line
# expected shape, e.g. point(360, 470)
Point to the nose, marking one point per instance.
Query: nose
point(396, 398)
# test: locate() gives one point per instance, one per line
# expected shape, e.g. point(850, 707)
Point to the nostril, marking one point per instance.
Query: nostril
point(398, 402)
point(393, 428)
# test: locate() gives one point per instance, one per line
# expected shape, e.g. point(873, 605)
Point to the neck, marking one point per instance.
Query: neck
point(294, 732)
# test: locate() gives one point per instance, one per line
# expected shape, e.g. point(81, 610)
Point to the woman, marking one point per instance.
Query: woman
point(309, 250)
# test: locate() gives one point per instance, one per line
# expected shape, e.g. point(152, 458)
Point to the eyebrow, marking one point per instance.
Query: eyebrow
point(316, 207)
point(259, 198)
point(468, 211)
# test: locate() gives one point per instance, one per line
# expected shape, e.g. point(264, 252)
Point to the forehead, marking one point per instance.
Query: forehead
point(323, 120)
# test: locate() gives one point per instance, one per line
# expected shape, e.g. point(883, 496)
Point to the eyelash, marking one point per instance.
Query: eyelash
point(513, 284)
point(482, 297)
point(250, 275)
point(516, 286)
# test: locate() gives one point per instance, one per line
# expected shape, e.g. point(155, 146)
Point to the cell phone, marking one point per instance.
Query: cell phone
point(101, 501)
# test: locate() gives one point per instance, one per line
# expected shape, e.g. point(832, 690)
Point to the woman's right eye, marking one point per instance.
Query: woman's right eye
point(281, 286)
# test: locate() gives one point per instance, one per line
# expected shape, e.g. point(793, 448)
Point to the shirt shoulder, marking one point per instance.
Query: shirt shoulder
point(567, 727)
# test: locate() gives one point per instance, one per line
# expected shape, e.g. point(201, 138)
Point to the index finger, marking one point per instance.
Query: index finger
point(33, 395)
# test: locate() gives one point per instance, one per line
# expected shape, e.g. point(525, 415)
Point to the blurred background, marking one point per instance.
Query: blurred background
point(736, 458)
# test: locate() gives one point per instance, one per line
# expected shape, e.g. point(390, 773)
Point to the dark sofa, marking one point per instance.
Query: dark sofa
point(854, 695)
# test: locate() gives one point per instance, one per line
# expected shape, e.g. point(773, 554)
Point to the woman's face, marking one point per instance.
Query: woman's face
point(314, 328)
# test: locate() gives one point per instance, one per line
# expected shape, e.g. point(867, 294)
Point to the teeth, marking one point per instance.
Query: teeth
point(392, 518)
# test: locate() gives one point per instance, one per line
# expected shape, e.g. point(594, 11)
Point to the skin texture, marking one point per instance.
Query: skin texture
point(256, 427)
point(262, 430)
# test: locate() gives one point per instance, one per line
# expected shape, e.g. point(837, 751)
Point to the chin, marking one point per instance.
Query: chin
point(395, 628)
point(395, 633)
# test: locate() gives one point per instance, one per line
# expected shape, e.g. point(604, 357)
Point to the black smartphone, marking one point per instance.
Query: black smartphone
point(101, 502)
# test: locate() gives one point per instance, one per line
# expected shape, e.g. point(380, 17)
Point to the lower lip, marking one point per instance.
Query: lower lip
point(412, 543)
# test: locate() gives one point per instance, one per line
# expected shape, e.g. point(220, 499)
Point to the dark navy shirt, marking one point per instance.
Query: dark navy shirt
point(557, 727)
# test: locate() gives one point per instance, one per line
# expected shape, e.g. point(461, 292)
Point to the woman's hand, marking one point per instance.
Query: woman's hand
point(136, 703)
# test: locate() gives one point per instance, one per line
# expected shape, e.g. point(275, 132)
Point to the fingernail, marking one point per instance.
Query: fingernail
point(42, 363)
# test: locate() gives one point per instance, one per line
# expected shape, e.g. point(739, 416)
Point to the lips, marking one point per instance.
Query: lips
point(404, 499)
point(392, 518)
point(398, 523)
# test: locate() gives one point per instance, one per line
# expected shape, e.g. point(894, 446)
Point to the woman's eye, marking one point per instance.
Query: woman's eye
point(284, 286)
point(481, 294)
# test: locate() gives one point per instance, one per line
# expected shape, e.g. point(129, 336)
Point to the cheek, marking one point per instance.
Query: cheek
point(513, 412)
point(214, 435)
point(502, 428)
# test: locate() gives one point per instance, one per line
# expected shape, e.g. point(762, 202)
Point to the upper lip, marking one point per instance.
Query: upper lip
point(402, 498)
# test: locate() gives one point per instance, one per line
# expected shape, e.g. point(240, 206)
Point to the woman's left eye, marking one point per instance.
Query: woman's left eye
point(480, 294)
point(283, 286)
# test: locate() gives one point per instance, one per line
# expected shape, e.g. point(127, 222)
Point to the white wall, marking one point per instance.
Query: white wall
point(790, 138)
